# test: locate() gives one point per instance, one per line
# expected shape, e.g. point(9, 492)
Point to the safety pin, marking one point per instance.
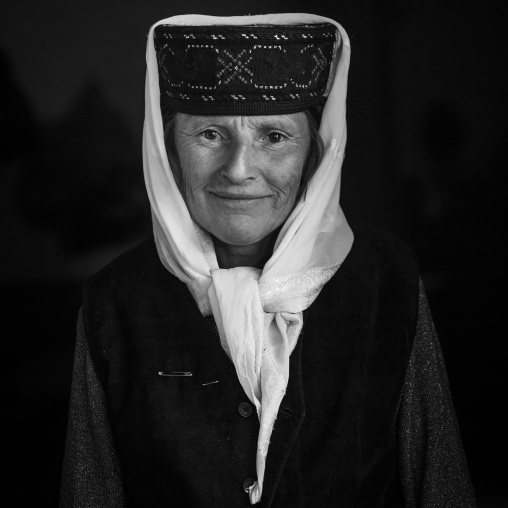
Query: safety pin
point(176, 374)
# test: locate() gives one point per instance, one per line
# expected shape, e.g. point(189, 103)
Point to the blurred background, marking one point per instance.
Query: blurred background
point(427, 109)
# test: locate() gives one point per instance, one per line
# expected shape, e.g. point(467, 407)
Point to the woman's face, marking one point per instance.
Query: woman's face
point(241, 174)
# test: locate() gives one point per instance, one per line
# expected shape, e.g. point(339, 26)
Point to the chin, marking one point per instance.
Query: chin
point(239, 238)
point(240, 229)
point(240, 233)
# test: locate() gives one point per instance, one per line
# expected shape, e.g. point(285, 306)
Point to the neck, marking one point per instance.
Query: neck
point(254, 254)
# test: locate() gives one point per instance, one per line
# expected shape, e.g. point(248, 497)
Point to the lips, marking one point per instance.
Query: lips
point(233, 196)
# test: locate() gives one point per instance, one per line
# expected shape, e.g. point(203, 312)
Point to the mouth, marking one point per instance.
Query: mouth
point(231, 196)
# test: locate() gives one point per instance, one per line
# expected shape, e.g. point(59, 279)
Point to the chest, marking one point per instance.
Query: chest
point(193, 438)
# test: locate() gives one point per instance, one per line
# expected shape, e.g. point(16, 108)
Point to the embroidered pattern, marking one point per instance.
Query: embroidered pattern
point(235, 66)
point(237, 69)
point(295, 287)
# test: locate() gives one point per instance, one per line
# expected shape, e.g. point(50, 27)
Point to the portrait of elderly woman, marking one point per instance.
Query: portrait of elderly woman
point(257, 349)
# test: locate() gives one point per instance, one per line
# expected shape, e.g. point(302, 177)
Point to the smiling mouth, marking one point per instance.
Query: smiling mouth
point(236, 197)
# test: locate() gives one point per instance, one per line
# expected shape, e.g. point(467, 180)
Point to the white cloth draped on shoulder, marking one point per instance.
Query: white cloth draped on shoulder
point(258, 312)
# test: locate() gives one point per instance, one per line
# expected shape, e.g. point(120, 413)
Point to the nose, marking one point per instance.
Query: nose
point(239, 164)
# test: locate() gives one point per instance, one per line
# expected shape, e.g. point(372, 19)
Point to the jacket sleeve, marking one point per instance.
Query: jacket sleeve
point(91, 475)
point(432, 463)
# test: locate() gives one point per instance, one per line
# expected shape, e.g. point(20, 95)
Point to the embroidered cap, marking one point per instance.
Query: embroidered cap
point(244, 70)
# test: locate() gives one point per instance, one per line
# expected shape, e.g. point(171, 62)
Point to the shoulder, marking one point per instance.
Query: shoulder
point(136, 268)
point(129, 263)
point(129, 285)
point(377, 284)
point(378, 253)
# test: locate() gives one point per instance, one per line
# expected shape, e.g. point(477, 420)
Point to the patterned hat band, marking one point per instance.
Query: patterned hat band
point(244, 70)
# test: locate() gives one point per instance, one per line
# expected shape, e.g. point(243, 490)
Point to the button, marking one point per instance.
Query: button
point(245, 409)
point(249, 482)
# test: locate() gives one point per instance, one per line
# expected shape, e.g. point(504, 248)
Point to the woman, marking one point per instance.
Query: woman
point(254, 353)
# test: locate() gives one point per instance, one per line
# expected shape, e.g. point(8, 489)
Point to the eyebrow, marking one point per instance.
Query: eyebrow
point(276, 124)
point(267, 119)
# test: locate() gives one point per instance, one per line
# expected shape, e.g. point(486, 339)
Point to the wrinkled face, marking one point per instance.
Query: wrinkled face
point(241, 174)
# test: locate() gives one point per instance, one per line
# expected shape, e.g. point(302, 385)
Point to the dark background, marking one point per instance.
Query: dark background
point(427, 109)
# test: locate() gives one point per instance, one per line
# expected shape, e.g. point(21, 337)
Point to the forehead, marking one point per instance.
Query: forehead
point(291, 121)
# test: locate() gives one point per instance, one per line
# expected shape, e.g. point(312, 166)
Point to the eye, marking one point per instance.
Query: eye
point(210, 134)
point(275, 137)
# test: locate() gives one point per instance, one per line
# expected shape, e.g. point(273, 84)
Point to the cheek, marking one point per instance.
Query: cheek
point(197, 171)
point(286, 180)
point(192, 183)
point(197, 165)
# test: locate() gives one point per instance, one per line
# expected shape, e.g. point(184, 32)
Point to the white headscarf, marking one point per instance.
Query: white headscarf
point(258, 313)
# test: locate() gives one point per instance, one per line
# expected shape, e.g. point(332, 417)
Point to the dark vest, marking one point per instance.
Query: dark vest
point(190, 442)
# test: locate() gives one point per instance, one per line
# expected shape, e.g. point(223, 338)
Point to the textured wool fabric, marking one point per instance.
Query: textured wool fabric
point(367, 419)
point(423, 382)
point(258, 312)
point(91, 472)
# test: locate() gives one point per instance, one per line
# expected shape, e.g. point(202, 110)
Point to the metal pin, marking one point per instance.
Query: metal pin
point(175, 374)
point(210, 383)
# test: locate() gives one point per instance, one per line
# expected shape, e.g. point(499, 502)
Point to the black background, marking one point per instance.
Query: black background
point(427, 108)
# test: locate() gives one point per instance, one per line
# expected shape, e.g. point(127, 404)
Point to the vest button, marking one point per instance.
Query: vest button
point(249, 482)
point(245, 409)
